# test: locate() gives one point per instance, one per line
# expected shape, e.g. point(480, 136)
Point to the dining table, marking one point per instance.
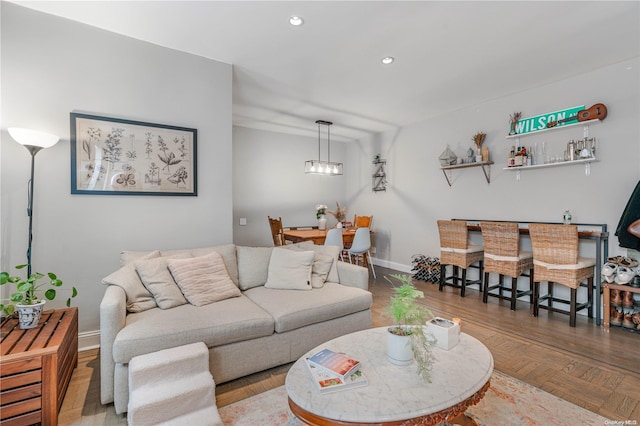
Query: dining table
point(317, 235)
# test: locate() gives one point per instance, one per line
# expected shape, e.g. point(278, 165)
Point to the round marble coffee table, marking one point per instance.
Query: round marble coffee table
point(395, 394)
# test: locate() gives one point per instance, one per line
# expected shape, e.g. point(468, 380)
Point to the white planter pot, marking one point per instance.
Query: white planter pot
point(399, 349)
point(29, 315)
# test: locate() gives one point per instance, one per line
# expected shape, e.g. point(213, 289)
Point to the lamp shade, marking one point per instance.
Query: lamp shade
point(28, 137)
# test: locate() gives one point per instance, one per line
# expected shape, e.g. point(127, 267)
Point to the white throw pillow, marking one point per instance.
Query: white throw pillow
point(253, 266)
point(203, 279)
point(138, 297)
point(320, 269)
point(290, 270)
point(156, 277)
point(333, 251)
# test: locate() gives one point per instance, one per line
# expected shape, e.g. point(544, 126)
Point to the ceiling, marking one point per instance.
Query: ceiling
point(449, 55)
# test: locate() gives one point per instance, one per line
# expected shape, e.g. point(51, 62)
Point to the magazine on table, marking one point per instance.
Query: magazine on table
point(335, 363)
point(326, 383)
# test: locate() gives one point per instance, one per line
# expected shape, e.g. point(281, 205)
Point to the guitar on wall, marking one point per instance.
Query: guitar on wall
point(597, 111)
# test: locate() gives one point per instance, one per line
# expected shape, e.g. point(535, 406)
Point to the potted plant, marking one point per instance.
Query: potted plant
point(26, 299)
point(407, 340)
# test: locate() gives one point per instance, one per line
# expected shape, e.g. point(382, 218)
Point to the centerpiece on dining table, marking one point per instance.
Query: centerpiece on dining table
point(340, 214)
point(321, 210)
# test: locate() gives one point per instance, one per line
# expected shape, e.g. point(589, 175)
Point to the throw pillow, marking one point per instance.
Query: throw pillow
point(253, 266)
point(333, 251)
point(156, 277)
point(203, 279)
point(289, 270)
point(320, 269)
point(228, 253)
point(138, 297)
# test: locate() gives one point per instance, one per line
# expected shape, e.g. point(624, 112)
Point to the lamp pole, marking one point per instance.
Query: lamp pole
point(33, 150)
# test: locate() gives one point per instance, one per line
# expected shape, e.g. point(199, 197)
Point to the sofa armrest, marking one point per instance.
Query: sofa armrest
point(353, 275)
point(113, 312)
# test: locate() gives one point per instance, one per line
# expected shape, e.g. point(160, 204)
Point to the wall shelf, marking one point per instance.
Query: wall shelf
point(586, 161)
point(379, 178)
point(486, 168)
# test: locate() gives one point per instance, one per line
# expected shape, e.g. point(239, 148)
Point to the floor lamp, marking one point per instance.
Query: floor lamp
point(34, 141)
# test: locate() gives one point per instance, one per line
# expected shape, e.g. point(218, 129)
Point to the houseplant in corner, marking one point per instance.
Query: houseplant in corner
point(26, 299)
point(407, 340)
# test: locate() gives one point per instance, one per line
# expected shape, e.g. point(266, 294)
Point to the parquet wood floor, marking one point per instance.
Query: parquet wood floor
point(588, 366)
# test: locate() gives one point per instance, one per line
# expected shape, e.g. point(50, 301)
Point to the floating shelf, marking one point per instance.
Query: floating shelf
point(586, 161)
point(486, 168)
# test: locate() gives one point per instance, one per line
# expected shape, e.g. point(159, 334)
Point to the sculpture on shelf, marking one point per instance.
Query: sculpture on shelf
point(448, 158)
point(513, 120)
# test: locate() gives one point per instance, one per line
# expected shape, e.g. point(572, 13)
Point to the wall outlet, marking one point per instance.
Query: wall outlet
point(243, 221)
point(373, 250)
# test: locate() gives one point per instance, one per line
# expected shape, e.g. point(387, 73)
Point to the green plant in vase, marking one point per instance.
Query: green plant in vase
point(31, 291)
point(407, 338)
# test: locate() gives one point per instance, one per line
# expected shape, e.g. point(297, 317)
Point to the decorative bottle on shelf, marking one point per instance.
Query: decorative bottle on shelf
point(566, 217)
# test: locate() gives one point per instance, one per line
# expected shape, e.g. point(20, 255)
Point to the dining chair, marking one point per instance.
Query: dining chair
point(556, 260)
point(457, 251)
point(276, 231)
point(334, 238)
point(362, 221)
point(502, 256)
point(360, 247)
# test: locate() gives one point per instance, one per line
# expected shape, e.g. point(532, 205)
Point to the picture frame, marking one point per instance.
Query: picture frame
point(113, 156)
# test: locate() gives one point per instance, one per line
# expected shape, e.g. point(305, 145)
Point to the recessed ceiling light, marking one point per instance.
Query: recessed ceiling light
point(296, 21)
point(387, 60)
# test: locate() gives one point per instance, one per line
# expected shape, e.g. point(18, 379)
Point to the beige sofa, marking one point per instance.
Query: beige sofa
point(264, 325)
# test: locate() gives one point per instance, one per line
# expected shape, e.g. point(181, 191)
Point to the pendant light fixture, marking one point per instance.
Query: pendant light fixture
point(319, 167)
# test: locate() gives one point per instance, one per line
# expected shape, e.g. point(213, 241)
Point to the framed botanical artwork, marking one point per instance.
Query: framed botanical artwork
point(124, 157)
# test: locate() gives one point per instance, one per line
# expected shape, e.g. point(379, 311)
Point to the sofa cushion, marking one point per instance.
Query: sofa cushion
point(293, 309)
point(220, 323)
point(203, 279)
point(138, 297)
point(156, 277)
point(289, 270)
point(333, 251)
point(227, 251)
point(322, 264)
point(253, 265)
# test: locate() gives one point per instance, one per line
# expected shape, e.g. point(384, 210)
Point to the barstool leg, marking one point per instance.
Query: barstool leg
point(463, 283)
point(572, 312)
point(590, 297)
point(536, 296)
point(443, 271)
point(514, 292)
point(531, 285)
point(485, 290)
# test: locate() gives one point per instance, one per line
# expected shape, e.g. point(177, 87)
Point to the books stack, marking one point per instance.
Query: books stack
point(332, 371)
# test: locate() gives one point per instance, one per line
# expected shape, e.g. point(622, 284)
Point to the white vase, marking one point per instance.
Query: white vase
point(29, 315)
point(399, 349)
point(322, 222)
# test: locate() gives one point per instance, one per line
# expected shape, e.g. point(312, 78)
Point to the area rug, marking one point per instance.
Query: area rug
point(507, 402)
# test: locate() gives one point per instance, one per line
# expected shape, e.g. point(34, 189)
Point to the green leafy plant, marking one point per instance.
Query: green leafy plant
point(410, 317)
point(28, 289)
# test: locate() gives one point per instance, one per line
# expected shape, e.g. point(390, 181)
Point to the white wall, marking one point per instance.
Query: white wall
point(51, 67)
point(269, 180)
point(405, 216)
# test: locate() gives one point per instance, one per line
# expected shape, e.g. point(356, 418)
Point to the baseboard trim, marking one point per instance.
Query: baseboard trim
point(88, 340)
point(391, 265)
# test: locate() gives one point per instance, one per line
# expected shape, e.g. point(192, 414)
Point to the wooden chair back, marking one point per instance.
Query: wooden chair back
point(501, 238)
point(555, 244)
point(362, 221)
point(276, 231)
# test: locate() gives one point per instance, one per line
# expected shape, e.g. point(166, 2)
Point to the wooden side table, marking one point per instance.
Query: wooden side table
point(36, 367)
point(607, 299)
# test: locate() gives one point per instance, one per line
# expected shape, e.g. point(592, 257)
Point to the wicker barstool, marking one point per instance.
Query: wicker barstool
point(502, 256)
point(556, 260)
point(457, 251)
